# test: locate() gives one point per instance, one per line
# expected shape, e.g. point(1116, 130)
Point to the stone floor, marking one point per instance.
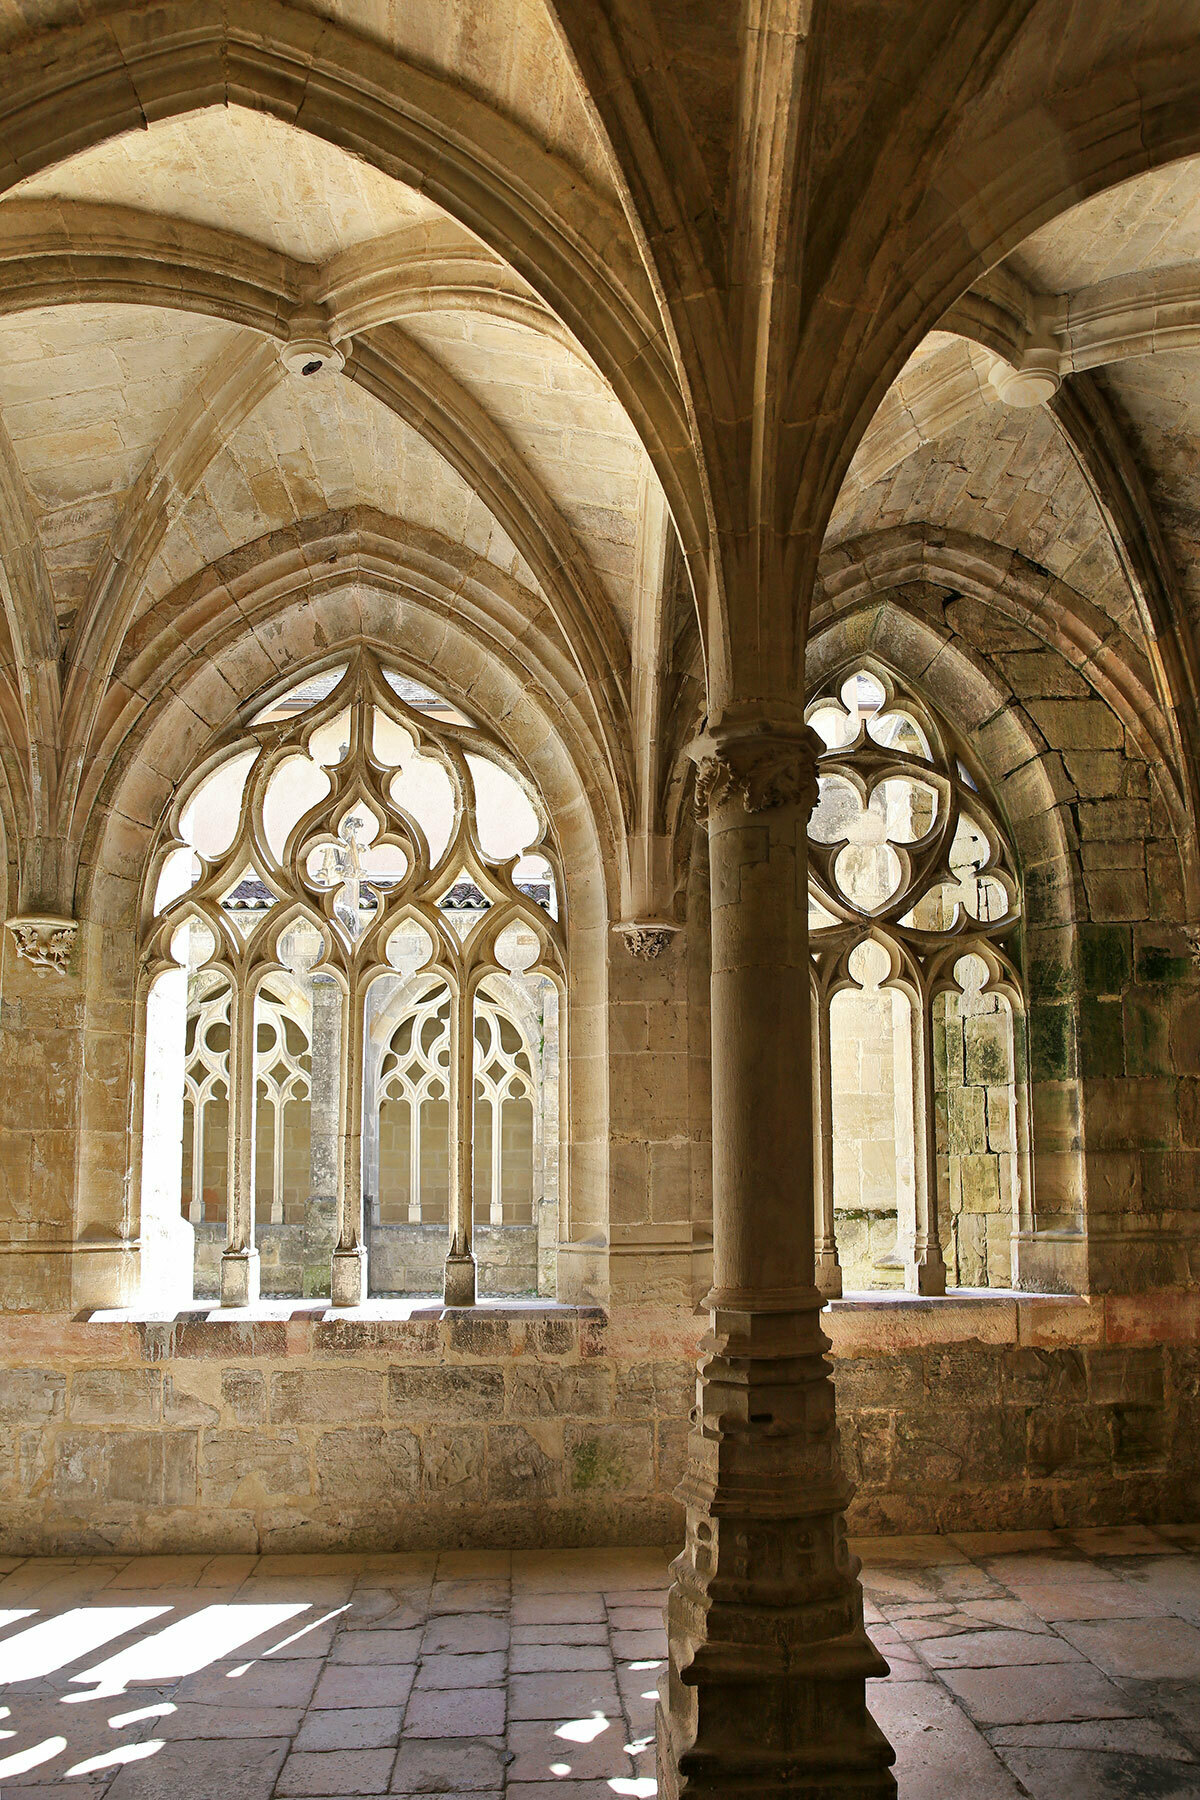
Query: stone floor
point(1059, 1666)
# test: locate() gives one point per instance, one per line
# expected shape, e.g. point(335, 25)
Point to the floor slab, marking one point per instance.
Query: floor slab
point(1037, 1664)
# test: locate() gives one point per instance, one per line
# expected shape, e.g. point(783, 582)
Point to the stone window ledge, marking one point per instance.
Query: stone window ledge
point(980, 1301)
point(422, 1307)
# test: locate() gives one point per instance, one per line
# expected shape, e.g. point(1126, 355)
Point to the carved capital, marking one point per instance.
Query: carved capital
point(759, 761)
point(646, 939)
point(44, 939)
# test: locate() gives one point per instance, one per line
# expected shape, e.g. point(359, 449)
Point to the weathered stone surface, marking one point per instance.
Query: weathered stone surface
point(445, 1392)
point(242, 1466)
point(366, 1464)
point(325, 1396)
point(519, 1466)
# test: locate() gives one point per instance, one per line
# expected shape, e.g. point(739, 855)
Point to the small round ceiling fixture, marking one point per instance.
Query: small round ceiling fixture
point(311, 356)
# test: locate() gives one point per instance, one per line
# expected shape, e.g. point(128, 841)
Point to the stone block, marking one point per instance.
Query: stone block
point(536, 1390)
point(1105, 958)
point(30, 1394)
point(610, 1458)
point(878, 1383)
point(479, 1337)
point(454, 1463)
point(368, 1464)
point(968, 1374)
point(1125, 1376)
point(244, 1392)
point(980, 1184)
point(1066, 1439)
point(1139, 1435)
point(116, 1397)
point(1038, 1377)
point(518, 1467)
point(1101, 1038)
point(670, 1453)
point(448, 1391)
point(132, 1468)
point(320, 1396)
point(248, 1467)
point(948, 1443)
point(655, 1390)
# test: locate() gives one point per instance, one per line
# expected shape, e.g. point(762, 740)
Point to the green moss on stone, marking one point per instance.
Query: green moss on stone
point(1101, 1038)
point(1105, 958)
point(1050, 1043)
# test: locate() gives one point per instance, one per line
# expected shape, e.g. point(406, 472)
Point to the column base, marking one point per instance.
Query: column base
point(765, 1691)
point(241, 1283)
point(829, 1275)
point(926, 1274)
point(348, 1278)
point(459, 1287)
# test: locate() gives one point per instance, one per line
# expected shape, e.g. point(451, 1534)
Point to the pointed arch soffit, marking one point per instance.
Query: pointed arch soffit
point(69, 89)
point(62, 252)
point(717, 217)
point(980, 200)
point(860, 571)
point(32, 698)
point(225, 396)
point(951, 384)
point(358, 562)
point(397, 371)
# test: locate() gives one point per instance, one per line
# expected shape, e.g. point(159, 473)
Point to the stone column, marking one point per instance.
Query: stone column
point(324, 1112)
point(240, 1274)
point(926, 1272)
point(460, 1260)
point(348, 1279)
point(768, 1656)
point(828, 1265)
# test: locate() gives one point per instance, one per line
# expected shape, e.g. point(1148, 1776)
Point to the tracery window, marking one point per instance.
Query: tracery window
point(352, 943)
point(919, 1083)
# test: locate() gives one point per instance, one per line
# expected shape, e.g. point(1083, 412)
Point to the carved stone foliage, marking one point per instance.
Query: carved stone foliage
point(761, 764)
point(648, 940)
point(44, 940)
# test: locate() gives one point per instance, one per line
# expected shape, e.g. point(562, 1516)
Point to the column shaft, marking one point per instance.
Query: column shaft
point(349, 1273)
point(460, 1260)
point(240, 1279)
point(768, 1657)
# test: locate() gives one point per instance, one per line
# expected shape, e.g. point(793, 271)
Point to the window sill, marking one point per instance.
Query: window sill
point(417, 1306)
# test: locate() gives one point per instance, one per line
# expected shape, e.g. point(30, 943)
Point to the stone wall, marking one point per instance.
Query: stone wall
point(543, 1426)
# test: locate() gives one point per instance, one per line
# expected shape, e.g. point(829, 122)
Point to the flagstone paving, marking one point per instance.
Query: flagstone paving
point(1024, 1666)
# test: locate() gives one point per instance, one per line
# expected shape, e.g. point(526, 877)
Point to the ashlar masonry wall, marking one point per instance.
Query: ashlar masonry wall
point(523, 1427)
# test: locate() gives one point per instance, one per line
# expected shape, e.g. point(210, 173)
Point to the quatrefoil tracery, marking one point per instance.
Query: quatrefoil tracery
point(382, 825)
point(903, 844)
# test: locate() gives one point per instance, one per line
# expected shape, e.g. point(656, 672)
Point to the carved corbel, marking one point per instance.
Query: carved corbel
point(646, 938)
point(44, 939)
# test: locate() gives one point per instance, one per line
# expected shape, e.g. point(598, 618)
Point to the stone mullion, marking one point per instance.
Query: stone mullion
point(324, 1113)
point(196, 1203)
point(348, 1280)
point(278, 1108)
point(240, 1278)
point(460, 1259)
point(497, 1194)
point(926, 1272)
point(828, 1267)
point(768, 1656)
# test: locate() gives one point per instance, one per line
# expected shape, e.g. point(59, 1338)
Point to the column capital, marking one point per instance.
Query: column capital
point(763, 755)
